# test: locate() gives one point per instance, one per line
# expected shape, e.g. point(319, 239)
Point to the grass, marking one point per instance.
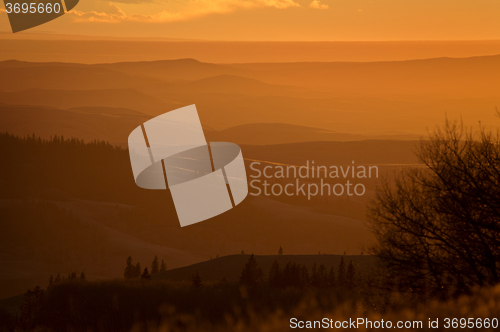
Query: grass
point(159, 305)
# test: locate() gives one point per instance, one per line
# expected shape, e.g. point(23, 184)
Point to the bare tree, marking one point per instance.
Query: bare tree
point(438, 226)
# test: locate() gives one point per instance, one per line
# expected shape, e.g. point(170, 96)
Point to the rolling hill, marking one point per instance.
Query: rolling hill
point(458, 77)
point(281, 133)
point(114, 124)
point(17, 75)
point(374, 98)
point(48, 122)
point(369, 152)
point(231, 84)
point(114, 98)
point(174, 70)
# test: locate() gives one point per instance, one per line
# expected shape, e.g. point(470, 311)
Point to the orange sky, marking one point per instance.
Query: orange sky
point(271, 20)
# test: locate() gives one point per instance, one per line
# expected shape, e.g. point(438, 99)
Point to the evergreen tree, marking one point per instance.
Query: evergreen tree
point(280, 251)
point(51, 280)
point(163, 266)
point(242, 252)
point(304, 276)
point(314, 276)
point(31, 307)
point(252, 273)
point(129, 269)
point(295, 276)
point(341, 273)
point(286, 275)
point(82, 276)
point(57, 279)
point(331, 278)
point(196, 280)
point(275, 275)
point(155, 266)
point(145, 275)
point(350, 277)
point(137, 270)
point(322, 276)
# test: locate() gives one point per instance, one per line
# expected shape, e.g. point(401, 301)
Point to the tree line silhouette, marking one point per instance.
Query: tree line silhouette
point(294, 275)
point(70, 301)
point(62, 168)
point(134, 271)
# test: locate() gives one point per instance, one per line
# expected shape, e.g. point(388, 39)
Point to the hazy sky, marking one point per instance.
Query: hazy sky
point(305, 20)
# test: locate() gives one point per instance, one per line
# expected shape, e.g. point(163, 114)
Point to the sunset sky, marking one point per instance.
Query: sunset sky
point(274, 20)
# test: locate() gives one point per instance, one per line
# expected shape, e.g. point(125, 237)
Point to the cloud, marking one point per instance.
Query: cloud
point(134, 2)
point(189, 10)
point(113, 15)
point(316, 4)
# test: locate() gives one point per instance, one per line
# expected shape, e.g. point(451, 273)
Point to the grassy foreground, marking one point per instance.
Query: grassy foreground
point(159, 305)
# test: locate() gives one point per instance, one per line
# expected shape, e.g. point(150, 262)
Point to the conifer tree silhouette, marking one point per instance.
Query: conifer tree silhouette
point(31, 307)
point(155, 266)
point(314, 276)
point(275, 275)
point(304, 276)
point(331, 278)
point(252, 273)
point(163, 266)
point(129, 269)
point(341, 273)
point(145, 275)
point(350, 277)
point(322, 276)
point(137, 270)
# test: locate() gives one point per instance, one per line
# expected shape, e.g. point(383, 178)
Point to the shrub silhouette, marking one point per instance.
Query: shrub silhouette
point(196, 281)
point(438, 227)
